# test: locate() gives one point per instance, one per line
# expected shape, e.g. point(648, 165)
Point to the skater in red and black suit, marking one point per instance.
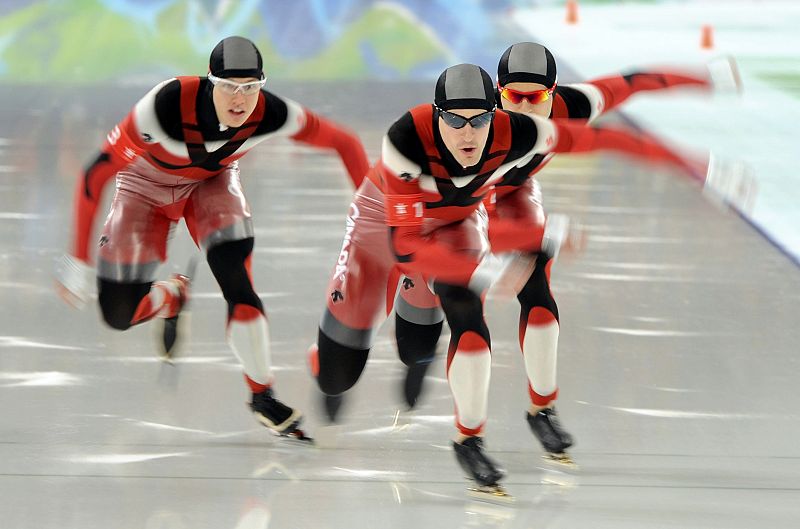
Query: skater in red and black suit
point(439, 164)
point(527, 82)
point(175, 155)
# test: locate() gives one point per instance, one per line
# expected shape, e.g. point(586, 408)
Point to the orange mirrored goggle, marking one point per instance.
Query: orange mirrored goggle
point(534, 97)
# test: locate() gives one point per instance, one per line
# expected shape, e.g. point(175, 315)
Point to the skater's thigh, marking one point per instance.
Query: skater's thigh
point(217, 210)
point(524, 204)
point(416, 303)
point(358, 284)
point(469, 236)
point(134, 240)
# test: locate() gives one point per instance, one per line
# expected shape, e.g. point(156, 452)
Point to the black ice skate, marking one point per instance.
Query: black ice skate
point(277, 416)
point(479, 468)
point(554, 439)
point(171, 332)
point(412, 387)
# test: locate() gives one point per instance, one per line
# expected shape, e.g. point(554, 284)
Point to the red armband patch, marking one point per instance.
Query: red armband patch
point(404, 210)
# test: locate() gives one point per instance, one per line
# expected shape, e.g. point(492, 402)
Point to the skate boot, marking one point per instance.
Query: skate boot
point(277, 416)
point(555, 440)
point(479, 468)
point(412, 387)
point(170, 332)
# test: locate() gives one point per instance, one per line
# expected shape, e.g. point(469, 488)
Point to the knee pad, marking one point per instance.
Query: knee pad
point(119, 301)
point(339, 366)
point(416, 343)
point(464, 310)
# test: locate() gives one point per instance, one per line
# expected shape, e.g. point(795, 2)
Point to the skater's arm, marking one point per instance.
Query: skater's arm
point(596, 97)
point(576, 138)
point(323, 133)
point(399, 168)
point(405, 213)
point(506, 235)
point(616, 89)
point(117, 152)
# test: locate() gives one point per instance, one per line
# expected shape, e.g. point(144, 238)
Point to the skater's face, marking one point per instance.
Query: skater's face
point(464, 137)
point(235, 98)
point(532, 98)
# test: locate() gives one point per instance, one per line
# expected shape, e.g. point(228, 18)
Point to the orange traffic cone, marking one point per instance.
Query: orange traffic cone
point(707, 37)
point(572, 11)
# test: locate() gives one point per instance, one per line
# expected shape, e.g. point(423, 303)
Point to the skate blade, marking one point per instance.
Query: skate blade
point(296, 435)
point(490, 493)
point(171, 342)
point(290, 433)
point(562, 459)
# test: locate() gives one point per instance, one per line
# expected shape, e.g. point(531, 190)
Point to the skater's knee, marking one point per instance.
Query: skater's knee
point(228, 264)
point(416, 343)
point(463, 308)
point(119, 301)
point(536, 291)
point(339, 366)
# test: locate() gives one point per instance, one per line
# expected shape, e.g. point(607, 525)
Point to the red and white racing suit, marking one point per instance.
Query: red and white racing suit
point(172, 159)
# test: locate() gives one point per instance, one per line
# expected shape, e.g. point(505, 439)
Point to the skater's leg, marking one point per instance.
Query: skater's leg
point(539, 330)
point(538, 335)
point(356, 299)
point(248, 331)
point(418, 325)
point(468, 357)
point(468, 370)
point(218, 218)
point(132, 246)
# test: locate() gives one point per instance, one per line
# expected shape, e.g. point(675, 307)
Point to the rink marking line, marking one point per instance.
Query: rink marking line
point(638, 266)
point(18, 341)
point(218, 295)
point(39, 379)
point(644, 278)
point(122, 459)
point(168, 427)
point(649, 333)
point(676, 414)
point(10, 215)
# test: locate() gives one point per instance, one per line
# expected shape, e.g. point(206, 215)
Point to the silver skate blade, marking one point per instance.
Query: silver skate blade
point(490, 493)
point(297, 436)
point(562, 459)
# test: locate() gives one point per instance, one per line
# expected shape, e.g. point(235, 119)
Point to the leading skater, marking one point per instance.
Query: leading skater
point(438, 165)
point(175, 155)
point(527, 82)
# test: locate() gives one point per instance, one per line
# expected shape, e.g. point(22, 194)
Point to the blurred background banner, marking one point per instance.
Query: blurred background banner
point(85, 41)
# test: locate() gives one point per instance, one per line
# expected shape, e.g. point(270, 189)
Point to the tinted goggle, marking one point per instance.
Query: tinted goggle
point(535, 97)
point(232, 87)
point(459, 122)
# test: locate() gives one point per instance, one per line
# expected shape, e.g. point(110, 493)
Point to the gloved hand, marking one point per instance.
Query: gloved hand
point(73, 280)
point(724, 75)
point(730, 183)
point(561, 235)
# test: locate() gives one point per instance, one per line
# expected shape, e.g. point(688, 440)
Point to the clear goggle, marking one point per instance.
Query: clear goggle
point(232, 87)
